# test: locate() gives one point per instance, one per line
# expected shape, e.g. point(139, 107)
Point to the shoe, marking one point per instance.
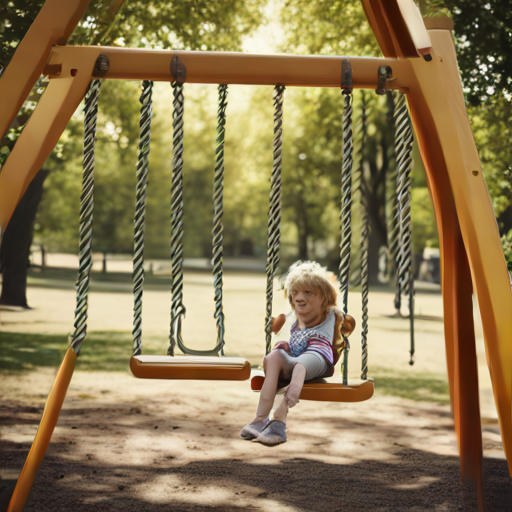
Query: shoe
point(274, 433)
point(253, 429)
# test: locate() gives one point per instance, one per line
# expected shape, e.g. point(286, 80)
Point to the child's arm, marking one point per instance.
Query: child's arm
point(283, 345)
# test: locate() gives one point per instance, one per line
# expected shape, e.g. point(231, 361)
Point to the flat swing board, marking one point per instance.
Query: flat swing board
point(190, 367)
point(324, 391)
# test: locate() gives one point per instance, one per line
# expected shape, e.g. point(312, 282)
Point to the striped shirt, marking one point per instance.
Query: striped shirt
point(314, 339)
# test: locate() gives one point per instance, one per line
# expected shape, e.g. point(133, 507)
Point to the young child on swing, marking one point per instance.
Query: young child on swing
point(312, 351)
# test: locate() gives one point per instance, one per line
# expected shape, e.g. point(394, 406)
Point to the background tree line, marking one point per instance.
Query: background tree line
point(312, 131)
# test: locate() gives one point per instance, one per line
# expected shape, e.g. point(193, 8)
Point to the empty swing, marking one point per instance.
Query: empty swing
point(204, 364)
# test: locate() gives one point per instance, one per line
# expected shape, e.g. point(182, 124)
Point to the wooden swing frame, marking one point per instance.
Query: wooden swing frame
point(470, 244)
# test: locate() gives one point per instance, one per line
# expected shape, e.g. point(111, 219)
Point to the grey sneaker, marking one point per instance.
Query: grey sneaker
point(274, 433)
point(252, 431)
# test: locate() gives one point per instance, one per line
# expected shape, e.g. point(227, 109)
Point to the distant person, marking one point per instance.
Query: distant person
point(313, 349)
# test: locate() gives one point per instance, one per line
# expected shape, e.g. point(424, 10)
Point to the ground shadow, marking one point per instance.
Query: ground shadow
point(410, 480)
point(420, 481)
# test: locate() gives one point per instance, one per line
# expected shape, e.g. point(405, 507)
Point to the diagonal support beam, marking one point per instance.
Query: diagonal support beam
point(39, 137)
point(467, 231)
point(53, 25)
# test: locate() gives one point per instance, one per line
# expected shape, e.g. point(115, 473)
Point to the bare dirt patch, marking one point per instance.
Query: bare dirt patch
point(125, 444)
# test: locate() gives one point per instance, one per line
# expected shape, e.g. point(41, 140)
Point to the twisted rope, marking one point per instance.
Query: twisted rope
point(177, 308)
point(218, 210)
point(358, 183)
point(404, 163)
point(140, 212)
point(346, 200)
point(365, 232)
point(346, 214)
point(396, 234)
point(274, 213)
point(86, 216)
point(393, 225)
point(404, 195)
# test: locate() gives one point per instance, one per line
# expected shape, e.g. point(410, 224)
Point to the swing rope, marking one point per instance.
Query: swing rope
point(177, 308)
point(140, 212)
point(218, 211)
point(274, 213)
point(346, 200)
point(404, 163)
point(365, 232)
point(86, 216)
point(393, 225)
point(399, 156)
point(346, 215)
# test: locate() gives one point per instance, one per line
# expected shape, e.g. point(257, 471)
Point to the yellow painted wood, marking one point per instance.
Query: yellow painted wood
point(44, 432)
point(190, 368)
point(439, 114)
point(39, 137)
point(53, 25)
point(356, 391)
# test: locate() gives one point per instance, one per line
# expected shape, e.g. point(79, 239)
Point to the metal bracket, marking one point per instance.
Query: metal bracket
point(178, 70)
point(347, 83)
point(101, 66)
point(383, 76)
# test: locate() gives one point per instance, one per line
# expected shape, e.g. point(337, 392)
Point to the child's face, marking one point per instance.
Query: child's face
point(308, 306)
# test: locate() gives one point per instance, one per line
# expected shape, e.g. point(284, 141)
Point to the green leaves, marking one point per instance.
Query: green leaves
point(483, 36)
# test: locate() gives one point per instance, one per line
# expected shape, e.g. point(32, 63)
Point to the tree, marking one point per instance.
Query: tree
point(339, 27)
point(15, 250)
point(193, 24)
point(483, 36)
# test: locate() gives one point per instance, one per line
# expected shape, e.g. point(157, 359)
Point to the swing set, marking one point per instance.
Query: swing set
point(419, 65)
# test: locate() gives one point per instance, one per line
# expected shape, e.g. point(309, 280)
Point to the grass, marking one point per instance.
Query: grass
point(102, 351)
point(111, 351)
point(421, 387)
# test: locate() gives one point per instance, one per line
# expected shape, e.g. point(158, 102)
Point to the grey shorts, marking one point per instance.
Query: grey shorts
point(316, 366)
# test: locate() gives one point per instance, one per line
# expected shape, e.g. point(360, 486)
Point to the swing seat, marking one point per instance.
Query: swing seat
point(321, 390)
point(188, 367)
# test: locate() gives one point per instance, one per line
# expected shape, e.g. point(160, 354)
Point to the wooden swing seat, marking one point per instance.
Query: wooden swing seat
point(190, 367)
point(321, 390)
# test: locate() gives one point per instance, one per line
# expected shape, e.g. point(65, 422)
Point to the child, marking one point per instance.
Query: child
point(311, 352)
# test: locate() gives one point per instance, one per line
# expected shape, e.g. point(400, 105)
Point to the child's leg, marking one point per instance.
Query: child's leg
point(293, 392)
point(291, 397)
point(272, 364)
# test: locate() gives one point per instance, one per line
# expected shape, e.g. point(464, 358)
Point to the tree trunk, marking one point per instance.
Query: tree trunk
point(43, 256)
point(376, 241)
point(303, 245)
point(303, 232)
point(505, 221)
point(16, 242)
point(377, 232)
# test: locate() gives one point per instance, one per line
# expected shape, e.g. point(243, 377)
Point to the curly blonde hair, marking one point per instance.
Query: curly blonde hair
point(310, 275)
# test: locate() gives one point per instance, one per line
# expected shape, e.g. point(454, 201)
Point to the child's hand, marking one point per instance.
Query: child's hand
point(284, 345)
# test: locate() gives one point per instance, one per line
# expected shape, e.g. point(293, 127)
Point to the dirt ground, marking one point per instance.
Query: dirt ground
point(123, 444)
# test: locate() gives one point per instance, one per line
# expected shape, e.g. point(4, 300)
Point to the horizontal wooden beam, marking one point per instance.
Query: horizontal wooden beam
point(226, 68)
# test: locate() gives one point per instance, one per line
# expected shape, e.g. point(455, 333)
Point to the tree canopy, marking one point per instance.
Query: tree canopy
point(312, 127)
point(483, 40)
